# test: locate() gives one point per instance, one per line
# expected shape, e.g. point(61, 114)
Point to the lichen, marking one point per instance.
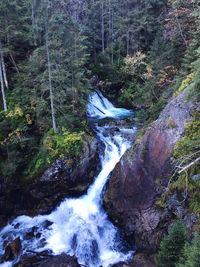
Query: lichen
point(171, 123)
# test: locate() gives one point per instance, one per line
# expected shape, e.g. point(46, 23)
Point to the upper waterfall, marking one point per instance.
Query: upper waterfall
point(100, 107)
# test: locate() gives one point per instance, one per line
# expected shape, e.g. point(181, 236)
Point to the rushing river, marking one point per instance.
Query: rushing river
point(80, 226)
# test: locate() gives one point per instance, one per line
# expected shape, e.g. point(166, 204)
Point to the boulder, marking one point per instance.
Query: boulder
point(12, 250)
point(66, 177)
point(138, 179)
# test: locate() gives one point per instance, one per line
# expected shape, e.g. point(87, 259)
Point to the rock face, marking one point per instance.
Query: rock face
point(139, 260)
point(41, 260)
point(65, 178)
point(133, 187)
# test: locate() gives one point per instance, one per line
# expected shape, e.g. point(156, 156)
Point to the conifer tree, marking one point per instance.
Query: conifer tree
point(171, 247)
point(191, 257)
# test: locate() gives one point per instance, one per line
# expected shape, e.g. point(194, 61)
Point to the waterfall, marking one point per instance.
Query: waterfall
point(80, 226)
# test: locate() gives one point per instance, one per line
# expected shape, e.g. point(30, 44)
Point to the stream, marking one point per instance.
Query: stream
point(80, 226)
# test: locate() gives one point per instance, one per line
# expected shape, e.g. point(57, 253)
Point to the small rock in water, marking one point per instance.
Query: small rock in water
point(17, 225)
point(12, 249)
point(121, 264)
point(47, 224)
point(32, 233)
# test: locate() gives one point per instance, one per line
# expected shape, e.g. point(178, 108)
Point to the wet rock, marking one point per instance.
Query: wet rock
point(47, 224)
point(60, 261)
point(142, 260)
point(17, 225)
point(12, 250)
point(141, 175)
point(139, 260)
point(40, 260)
point(121, 264)
point(32, 233)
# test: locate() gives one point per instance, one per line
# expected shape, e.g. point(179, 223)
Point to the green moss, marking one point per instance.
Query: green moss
point(161, 202)
point(56, 145)
point(18, 141)
point(185, 83)
point(191, 139)
point(186, 150)
point(194, 202)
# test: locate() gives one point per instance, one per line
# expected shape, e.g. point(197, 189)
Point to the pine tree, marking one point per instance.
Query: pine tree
point(191, 257)
point(52, 79)
point(13, 33)
point(171, 246)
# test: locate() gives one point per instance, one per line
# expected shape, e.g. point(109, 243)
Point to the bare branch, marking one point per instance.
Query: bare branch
point(189, 165)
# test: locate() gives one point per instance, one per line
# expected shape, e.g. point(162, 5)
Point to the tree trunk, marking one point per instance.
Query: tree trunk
point(111, 30)
point(2, 89)
point(3, 66)
point(49, 72)
point(2, 81)
point(112, 50)
point(102, 27)
point(14, 63)
point(127, 42)
point(33, 21)
point(180, 28)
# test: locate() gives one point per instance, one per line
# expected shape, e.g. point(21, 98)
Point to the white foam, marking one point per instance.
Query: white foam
point(100, 107)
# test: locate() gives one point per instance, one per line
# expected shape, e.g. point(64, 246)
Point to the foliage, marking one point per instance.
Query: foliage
point(136, 67)
point(190, 141)
point(191, 257)
point(171, 247)
point(187, 150)
point(18, 141)
point(196, 89)
point(179, 21)
point(55, 145)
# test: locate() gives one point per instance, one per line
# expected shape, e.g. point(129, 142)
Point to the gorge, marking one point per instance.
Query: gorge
point(99, 133)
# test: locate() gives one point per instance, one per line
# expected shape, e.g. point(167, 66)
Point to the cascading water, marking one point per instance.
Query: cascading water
point(80, 226)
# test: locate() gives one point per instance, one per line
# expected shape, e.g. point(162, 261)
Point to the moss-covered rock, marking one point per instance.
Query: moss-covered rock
point(68, 176)
point(55, 146)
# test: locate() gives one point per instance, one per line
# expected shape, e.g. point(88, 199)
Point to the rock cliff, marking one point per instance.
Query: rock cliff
point(134, 186)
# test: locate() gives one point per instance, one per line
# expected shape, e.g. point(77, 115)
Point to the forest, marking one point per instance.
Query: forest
point(139, 54)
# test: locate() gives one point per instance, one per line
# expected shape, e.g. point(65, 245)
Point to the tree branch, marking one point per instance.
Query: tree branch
point(189, 165)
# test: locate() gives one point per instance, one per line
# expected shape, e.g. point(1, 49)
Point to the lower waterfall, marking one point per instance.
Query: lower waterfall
point(80, 226)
